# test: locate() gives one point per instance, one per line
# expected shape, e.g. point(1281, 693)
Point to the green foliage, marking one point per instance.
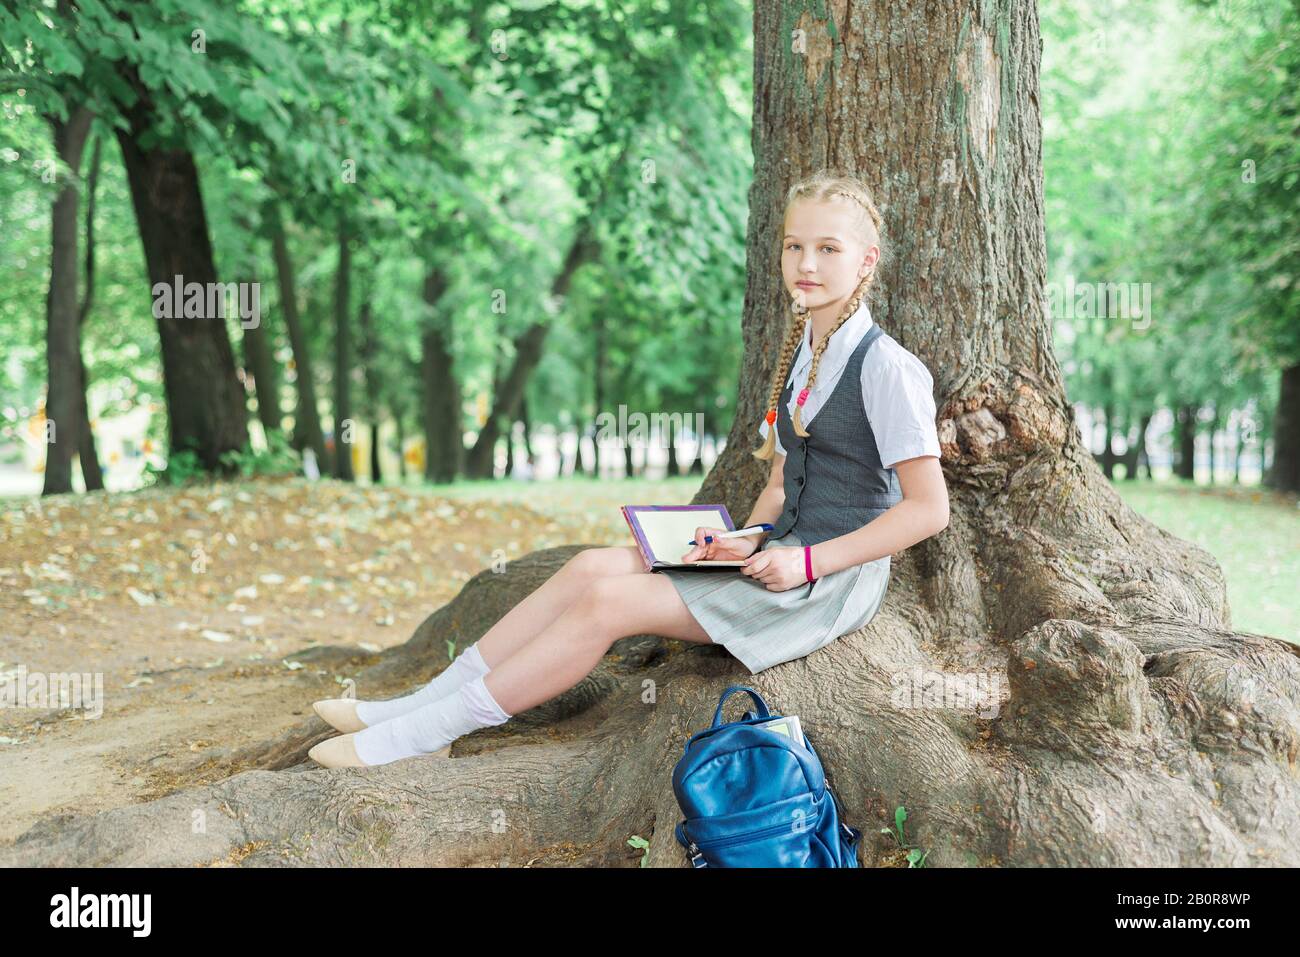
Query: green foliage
point(1150, 111)
point(914, 856)
point(182, 468)
point(641, 843)
point(277, 459)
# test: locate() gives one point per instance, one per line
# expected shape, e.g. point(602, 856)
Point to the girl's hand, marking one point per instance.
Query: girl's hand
point(720, 549)
point(779, 568)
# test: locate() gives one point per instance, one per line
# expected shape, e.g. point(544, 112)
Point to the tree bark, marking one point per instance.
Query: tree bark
point(259, 357)
point(65, 398)
point(1284, 475)
point(1135, 728)
point(343, 423)
point(1185, 437)
point(374, 388)
point(445, 448)
point(307, 428)
point(1143, 457)
point(91, 473)
point(205, 399)
point(1108, 450)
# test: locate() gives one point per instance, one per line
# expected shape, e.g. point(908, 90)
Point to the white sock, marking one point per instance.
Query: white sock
point(431, 727)
point(469, 664)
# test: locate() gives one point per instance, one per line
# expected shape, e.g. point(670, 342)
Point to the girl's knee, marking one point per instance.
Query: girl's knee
point(600, 562)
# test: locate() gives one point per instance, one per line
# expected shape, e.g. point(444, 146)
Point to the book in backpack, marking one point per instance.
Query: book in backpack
point(753, 797)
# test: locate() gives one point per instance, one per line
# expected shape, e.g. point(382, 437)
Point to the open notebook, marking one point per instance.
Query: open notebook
point(663, 532)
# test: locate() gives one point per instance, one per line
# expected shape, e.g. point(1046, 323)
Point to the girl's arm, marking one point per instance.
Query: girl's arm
point(770, 502)
point(922, 512)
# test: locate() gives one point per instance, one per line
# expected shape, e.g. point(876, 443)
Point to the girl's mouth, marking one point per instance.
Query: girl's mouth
point(804, 284)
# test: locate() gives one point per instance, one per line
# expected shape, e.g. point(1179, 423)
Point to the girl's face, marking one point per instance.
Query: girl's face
point(822, 258)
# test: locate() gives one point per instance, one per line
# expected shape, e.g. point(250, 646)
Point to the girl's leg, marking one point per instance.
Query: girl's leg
point(531, 616)
point(567, 649)
point(515, 629)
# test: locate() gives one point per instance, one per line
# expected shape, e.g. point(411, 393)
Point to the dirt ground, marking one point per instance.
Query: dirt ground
point(190, 603)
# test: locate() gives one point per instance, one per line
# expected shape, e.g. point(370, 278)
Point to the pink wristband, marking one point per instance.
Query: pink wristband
point(807, 562)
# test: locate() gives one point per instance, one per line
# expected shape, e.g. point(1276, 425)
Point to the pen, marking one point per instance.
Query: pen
point(752, 530)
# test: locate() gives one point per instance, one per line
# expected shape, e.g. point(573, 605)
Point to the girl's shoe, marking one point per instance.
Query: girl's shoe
point(337, 753)
point(341, 752)
point(340, 713)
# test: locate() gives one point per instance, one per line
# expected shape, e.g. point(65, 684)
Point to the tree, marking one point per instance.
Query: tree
point(63, 409)
point(1139, 728)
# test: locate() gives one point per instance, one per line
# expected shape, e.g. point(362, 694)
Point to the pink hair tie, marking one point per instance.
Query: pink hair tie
point(807, 563)
point(802, 396)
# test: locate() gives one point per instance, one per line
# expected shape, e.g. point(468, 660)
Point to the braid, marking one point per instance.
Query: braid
point(798, 322)
point(822, 185)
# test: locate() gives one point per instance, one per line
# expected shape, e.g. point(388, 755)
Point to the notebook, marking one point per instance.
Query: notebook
point(662, 533)
point(787, 725)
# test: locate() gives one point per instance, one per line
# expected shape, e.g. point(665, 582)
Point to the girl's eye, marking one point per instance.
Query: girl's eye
point(796, 246)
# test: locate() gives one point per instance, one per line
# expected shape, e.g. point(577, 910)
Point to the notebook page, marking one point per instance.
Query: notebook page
point(668, 532)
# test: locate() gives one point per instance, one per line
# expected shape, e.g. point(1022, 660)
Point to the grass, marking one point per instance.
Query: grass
point(1253, 533)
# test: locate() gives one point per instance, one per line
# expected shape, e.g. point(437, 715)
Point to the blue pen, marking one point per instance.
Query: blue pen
point(752, 530)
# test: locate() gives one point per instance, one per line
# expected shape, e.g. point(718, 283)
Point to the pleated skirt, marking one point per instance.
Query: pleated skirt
point(763, 628)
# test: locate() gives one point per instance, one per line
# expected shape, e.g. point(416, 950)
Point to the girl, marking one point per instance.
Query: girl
point(862, 483)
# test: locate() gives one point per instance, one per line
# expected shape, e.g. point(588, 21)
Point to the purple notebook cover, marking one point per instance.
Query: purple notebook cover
point(630, 510)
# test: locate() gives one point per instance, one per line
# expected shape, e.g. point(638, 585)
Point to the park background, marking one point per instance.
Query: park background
point(479, 231)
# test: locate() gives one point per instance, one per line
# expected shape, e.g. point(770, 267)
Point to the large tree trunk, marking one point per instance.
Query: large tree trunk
point(307, 428)
point(1137, 730)
point(65, 397)
point(205, 399)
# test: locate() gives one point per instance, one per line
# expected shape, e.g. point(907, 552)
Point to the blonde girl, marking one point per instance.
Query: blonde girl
point(855, 477)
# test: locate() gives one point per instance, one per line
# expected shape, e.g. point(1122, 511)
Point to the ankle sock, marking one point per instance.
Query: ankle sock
point(430, 727)
point(469, 664)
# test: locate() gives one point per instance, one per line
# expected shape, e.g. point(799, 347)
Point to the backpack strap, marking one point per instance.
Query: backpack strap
point(759, 703)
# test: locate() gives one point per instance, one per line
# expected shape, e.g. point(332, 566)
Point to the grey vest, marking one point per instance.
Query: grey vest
point(834, 480)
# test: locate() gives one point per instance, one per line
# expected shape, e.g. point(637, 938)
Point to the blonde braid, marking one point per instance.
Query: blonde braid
point(798, 323)
point(820, 186)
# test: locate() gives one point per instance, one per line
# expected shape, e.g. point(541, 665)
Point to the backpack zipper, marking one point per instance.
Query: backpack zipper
point(743, 838)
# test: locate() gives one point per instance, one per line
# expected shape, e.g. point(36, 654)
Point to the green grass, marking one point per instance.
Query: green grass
point(1253, 533)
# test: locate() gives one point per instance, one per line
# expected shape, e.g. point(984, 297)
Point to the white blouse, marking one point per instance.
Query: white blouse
point(897, 390)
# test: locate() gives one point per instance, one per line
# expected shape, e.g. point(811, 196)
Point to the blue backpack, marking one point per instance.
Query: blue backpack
point(755, 798)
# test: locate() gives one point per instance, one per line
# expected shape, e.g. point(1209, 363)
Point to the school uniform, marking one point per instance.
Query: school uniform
point(871, 407)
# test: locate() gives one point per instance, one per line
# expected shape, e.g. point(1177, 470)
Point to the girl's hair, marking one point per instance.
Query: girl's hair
point(820, 187)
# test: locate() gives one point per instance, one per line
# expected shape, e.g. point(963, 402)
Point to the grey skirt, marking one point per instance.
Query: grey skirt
point(762, 627)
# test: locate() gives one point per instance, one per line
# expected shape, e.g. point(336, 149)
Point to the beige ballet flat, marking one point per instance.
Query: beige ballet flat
point(340, 714)
point(341, 752)
point(337, 752)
